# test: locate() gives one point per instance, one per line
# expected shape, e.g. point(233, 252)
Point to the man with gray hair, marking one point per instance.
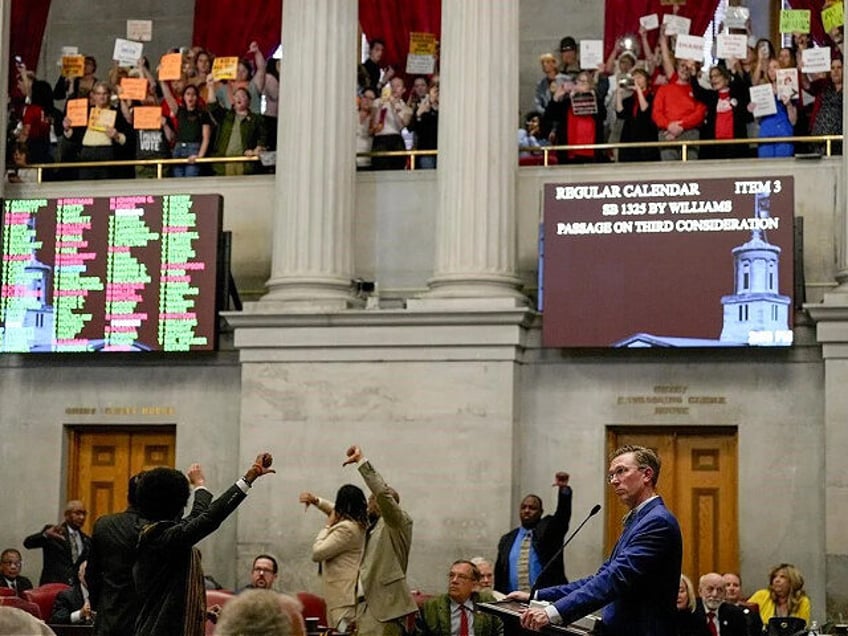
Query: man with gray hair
point(719, 617)
point(259, 612)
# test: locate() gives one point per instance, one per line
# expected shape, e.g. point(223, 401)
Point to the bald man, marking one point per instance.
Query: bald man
point(64, 546)
point(718, 617)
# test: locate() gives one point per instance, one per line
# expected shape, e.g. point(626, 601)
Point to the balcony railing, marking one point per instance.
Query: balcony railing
point(412, 155)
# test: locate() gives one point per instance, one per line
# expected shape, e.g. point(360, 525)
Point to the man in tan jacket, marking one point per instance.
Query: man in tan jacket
point(384, 604)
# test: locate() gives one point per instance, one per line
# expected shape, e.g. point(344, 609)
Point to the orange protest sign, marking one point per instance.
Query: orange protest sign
point(224, 68)
point(77, 111)
point(101, 119)
point(147, 117)
point(171, 66)
point(73, 65)
point(133, 88)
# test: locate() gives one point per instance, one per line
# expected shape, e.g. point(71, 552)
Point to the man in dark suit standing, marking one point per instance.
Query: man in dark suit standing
point(637, 586)
point(109, 573)
point(10, 572)
point(64, 546)
point(524, 551)
point(718, 617)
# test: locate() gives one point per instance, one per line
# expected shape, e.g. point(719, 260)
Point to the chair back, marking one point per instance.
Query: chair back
point(22, 604)
point(314, 606)
point(215, 597)
point(44, 596)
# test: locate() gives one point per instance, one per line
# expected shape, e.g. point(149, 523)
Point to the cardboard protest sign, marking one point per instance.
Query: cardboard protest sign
point(140, 30)
point(147, 117)
point(795, 21)
point(787, 83)
point(127, 53)
point(833, 16)
point(77, 111)
point(736, 17)
point(733, 45)
point(133, 88)
point(102, 118)
point(171, 66)
point(762, 97)
point(225, 68)
point(816, 60)
point(73, 66)
point(689, 47)
point(676, 24)
point(422, 53)
point(591, 53)
point(650, 22)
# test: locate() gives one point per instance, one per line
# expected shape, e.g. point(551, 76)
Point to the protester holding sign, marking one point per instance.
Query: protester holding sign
point(634, 111)
point(677, 114)
point(107, 132)
point(779, 124)
point(74, 87)
point(727, 109)
point(827, 109)
point(579, 111)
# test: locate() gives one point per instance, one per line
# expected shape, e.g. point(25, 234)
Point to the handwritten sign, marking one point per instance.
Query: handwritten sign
point(762, 97)
point(133, 88)
point(816, 60)
point(689, 47)
point(140, 30)
point(102, 118)
point(422, 53)
point(591, 53)
point(126, 52)
point(171, 66)
point(650, 22)
point(737, 17)
point(77, 111)
point(787, 83)
point(147, 117)
point(73, 66)
point(733, 45)
point(795, 21)
point(225, 68)
point(833, 16)
point(676, 24)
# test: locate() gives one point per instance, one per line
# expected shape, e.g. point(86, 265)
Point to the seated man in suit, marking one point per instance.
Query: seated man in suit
point(637, 586)
point(64, 546)
point(72, 606)
point(718, 617)
point(10, 570)
point(456, 613)
point(524, 551)
point(733, 595)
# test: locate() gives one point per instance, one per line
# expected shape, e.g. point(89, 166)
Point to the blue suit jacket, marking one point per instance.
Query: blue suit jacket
point(637, 586)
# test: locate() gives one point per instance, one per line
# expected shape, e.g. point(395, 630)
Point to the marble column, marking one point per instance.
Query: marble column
point(475, 229)
point(312, 257)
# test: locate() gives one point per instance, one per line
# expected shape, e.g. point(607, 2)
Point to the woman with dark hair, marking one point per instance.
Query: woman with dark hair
point(727, 112)
point(338, 548)
point(635, 112)
point(192, 126)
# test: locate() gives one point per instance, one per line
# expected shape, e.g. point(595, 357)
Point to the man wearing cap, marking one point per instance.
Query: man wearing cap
point(568, 53)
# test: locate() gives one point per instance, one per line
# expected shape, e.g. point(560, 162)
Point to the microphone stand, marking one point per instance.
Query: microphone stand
point(595, 509)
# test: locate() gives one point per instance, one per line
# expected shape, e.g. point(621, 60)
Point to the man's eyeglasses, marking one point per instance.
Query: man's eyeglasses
point(621, 472)
point(15, 563)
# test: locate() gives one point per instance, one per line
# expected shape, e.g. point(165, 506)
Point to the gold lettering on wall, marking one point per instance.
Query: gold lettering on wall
point(144, 411)
point(671, 399)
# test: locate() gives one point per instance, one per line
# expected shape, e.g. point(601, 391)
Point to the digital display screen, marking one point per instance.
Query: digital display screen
point(668, 263)
point(120, 273)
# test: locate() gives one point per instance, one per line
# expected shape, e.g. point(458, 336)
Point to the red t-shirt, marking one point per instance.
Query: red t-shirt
point(39, 125)
point(724, 115)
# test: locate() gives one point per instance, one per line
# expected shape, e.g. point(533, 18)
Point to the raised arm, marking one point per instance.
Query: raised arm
point(259, 62)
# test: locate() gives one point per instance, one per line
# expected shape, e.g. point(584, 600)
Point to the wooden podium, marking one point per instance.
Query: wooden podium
point(509, 612)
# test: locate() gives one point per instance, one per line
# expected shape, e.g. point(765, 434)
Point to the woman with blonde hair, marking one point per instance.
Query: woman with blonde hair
point(785, 595)
point(687, 622)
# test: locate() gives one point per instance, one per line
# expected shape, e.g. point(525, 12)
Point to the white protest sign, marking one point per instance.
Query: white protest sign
point(650, 22)
point(420, 64)
point(67, 51)
point(676, 24)
point(591, 53)
point(140, 30)
point(732, 45)
point(762, 97)
point(127, 52)
point(787, 82)
point(736, 17)
point(816, 60)
point(689, 47)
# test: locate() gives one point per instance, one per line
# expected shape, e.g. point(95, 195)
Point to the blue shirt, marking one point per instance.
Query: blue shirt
point(535, 565)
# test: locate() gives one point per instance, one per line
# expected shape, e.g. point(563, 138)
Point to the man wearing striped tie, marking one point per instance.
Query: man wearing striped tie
point(524, 551)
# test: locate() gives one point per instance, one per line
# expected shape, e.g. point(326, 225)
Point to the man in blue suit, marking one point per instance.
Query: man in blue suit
point(637, 586)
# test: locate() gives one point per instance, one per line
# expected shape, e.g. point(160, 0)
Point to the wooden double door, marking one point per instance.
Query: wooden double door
point(102, 460)
point(698, 482)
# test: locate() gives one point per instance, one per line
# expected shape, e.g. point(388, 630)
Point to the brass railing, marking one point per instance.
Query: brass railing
point(543, 151)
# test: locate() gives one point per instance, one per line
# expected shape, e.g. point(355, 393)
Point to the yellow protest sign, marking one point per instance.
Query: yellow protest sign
point(73, 65)
point(101, 119)
point(833, 16)
point(77, 111)
point(795, 21)
point(224, 68)
point(133, 88)
point(171, 67)
point(147, 117)
point(422, 43)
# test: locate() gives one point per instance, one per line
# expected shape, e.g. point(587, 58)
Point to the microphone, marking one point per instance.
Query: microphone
point(595, 510)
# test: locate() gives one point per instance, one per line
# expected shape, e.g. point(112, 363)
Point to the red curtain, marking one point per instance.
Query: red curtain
point(622, 17)
point(230, 26)
point(29, 17)
point(816, 26)
point(393, 20)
